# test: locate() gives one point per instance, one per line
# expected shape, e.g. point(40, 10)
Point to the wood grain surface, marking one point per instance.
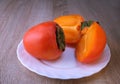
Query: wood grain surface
point(16, 16)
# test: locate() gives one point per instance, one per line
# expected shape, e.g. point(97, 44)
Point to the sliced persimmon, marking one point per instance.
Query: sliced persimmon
point(71, 27)
point(92, 42)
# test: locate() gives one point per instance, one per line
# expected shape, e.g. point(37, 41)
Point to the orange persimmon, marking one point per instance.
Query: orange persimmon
point(71, 27)
point(92, 42)
point(44, 41)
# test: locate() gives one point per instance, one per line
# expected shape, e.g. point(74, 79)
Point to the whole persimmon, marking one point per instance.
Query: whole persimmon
point(71, 27)
point(45, 41)
point(92, 42)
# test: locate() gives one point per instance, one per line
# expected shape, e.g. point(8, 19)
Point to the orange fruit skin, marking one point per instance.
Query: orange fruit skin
point(40, 41)
point(71, 27)
point(91, 44)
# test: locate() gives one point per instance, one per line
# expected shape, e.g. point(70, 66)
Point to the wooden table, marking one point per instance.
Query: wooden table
point(16, 16)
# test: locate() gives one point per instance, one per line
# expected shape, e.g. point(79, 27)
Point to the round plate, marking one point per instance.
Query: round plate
point(66, 67)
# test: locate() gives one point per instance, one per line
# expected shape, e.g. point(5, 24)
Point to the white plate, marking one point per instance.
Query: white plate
point(66, 67)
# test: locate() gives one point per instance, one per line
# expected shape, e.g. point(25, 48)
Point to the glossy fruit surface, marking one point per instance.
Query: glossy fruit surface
point(41, 41)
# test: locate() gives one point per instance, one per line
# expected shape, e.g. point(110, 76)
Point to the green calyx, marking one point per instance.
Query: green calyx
point(60, 38)
point(86, 24)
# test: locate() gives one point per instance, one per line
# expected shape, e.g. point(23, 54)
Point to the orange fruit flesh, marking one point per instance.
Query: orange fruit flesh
point(71, 27)
point(92, 44)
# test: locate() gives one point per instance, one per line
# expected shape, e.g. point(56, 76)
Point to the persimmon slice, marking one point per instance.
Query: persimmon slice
point(91, 44)
point(71, 27)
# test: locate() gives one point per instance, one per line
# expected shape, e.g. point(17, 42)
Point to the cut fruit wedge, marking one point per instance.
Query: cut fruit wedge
point(91, 44)
point(71, 27)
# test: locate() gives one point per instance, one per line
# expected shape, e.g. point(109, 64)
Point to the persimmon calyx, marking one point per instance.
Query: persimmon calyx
point(86, 24)
point(60, 38)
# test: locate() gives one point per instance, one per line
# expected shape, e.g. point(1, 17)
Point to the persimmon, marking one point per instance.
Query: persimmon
point(92, 42)
point(45, 41)
point(71, 27)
